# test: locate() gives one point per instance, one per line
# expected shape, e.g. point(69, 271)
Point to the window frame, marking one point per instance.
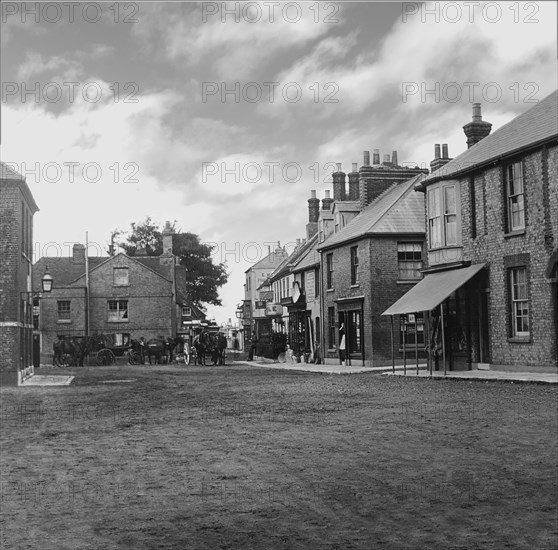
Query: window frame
point(329, 271)
point(354, 266)
point(508, 181)
point(514, 301)
point(440, 218)
point(116, 312)
point(186, 314)
point(418, 276)
point(122, 269)
point(64, 319)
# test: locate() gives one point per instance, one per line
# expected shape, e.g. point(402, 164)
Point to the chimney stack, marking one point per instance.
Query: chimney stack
point(167, 239)
point(394, 158)
point(313, 207)
point(477, 129)
point(78, 254)
point(439, 161)
point(366, 161)
point(313, 214)
point(327, 201)
point(339, 193)
point(376, 157)
point(353, 183)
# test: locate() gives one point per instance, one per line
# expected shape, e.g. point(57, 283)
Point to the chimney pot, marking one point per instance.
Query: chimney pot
point(394, 158)
point(339, 167)
point(376, 159)
point(437, 151)
point(477, 116)
point(313, 194)
point(386, 158)
point(327, 194)
point(355, 166)
point(445, 151)
point(366, 158)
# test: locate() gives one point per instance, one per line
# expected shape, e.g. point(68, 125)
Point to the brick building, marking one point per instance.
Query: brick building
point(256, 294)
point(17, 208)
point(125, 296)
point(492, 229)
point(368, 263)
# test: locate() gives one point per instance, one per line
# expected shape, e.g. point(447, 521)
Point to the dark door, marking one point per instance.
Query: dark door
point(36, 351)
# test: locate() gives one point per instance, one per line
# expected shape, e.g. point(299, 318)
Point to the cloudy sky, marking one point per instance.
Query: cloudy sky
point(223, 117)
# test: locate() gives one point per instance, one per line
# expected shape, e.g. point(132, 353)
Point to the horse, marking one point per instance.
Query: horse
point(201, 344)
point(64, 353)
point(170, 344)
point(156, 347)
point(219, 345)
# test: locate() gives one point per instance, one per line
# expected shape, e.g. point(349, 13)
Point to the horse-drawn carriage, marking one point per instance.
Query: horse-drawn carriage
point(106, 349)
point(99, 349)
point(212, 342)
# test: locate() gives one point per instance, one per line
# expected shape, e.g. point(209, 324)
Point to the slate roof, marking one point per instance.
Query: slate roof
point(537, 125)
point(7, 173)
point(311, 258)
point(399, 210)
point(272, 260)
point(63, 270)
point(286, 266)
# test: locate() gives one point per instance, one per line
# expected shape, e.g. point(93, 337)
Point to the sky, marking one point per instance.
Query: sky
point(224, 116)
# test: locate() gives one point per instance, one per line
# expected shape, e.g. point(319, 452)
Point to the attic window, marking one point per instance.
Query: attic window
point(186, 311)
point(121, 276)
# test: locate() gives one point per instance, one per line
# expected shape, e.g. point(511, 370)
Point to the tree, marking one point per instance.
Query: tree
point(203, 278)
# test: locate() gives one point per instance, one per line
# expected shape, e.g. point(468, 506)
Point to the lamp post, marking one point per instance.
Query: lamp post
point(46, 286)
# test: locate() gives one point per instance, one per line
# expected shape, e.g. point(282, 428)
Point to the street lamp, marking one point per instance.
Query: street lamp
point(46, 285)
point(46, 281)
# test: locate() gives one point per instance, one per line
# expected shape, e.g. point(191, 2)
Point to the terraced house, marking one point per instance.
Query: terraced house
point(491, 215)
point(371, 253)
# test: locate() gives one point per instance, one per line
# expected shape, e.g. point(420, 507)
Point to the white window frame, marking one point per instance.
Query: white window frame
point(403, 263)
point(444, 215)
point(64, 318)
point(519, 304)
point(186, 311)
point(514, 175)
point(120, 314)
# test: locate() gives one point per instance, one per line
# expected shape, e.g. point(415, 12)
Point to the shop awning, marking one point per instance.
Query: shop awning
point(433, 290)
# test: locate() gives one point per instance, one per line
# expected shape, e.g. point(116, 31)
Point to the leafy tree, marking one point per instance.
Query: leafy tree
point(203, 276)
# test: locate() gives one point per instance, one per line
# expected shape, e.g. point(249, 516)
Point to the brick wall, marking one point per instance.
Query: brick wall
point(485, 241)
point(150, 299)
point(378, 283)
point(15, 275)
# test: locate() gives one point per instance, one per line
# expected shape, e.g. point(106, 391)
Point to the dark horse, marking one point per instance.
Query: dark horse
point(157, 348)
point(65, 353)
point(218, 345)
point(202, 343)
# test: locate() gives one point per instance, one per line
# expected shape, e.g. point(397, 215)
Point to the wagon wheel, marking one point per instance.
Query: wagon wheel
point(134, 357)
point(105, 357)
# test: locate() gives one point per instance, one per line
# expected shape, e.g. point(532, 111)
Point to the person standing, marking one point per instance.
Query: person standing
point(342, 344)
point(253, 345)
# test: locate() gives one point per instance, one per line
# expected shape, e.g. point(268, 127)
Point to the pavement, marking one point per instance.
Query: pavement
point(48, 380)
point(543, 377)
